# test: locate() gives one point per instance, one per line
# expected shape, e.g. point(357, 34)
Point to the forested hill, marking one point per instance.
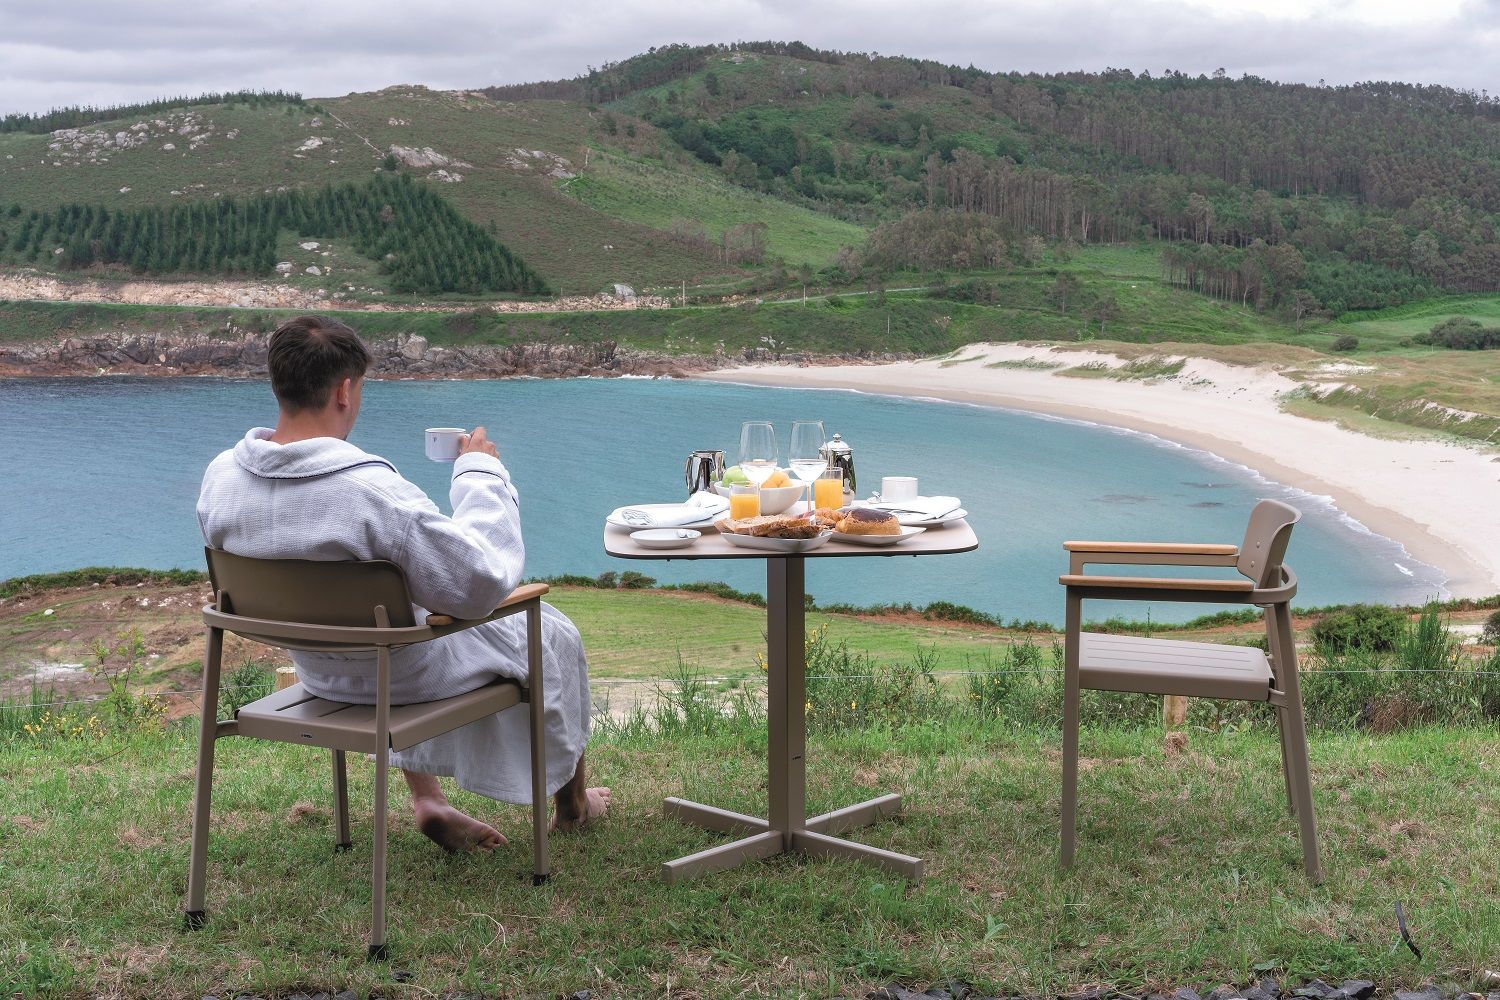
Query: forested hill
point(1385, 190)
point(753, 167)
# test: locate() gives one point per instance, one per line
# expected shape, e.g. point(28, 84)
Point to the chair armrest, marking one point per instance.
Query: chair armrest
point(1145, 588)
point(1155, 583)
point(1156, 548)
point(1080, 554)
point(521, 595)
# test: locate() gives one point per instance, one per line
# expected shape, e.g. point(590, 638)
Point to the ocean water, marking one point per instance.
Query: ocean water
point(106, 472)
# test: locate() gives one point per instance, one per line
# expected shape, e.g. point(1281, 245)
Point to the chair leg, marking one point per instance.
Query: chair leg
point(1272, 645)
point(1070, 732)
point(1286, 762)
point(541, 860)
point(1296, 739)
point(378, 950)
point(341, 841)
point(193, 915)
point(377, 895)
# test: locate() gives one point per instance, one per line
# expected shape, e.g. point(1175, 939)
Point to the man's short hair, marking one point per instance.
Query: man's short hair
point(310, 355)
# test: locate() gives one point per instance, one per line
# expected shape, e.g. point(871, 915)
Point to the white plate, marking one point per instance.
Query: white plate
point(776, 544)
point(918, 521)
point(664, 538)
point(706, 521)
point(878, 540)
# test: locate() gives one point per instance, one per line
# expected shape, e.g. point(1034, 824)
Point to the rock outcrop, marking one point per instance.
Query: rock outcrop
point(242, 354)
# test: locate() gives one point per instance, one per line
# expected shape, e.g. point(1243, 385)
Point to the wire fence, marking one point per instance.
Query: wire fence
point(225, 689)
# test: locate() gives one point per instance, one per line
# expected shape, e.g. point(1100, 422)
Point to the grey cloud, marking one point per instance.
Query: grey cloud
point(101, 53)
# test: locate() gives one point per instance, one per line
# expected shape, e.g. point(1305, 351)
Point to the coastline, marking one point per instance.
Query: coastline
point(1429, 496)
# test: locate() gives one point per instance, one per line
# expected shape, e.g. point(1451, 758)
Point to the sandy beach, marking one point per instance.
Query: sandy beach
point(1437, 499)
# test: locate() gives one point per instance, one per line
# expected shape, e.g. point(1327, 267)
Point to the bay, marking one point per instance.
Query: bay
point(106, 472)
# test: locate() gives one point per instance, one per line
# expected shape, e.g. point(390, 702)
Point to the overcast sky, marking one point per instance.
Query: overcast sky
point(90, 52)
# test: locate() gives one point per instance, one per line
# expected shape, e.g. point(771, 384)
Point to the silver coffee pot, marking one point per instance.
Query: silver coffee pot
point(839, 455)
point(704, 470)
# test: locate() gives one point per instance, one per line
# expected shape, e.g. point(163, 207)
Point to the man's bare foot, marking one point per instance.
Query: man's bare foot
point(452, 830)
point(596, 804)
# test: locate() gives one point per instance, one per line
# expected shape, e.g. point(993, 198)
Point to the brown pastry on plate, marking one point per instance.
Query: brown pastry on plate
point(868, 521)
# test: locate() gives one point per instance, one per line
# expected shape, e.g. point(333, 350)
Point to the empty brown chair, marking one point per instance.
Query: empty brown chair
point(347, 607)
point(1193, 669)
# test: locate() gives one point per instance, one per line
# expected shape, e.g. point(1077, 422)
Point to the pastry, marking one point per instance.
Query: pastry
point(826, 517)
point(868, 521)
point(770, 526)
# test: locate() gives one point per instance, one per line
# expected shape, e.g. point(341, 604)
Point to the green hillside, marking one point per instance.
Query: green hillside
point(220, 151)
point(680, 197)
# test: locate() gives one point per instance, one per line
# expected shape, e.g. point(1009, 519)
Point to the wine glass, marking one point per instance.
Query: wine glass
point(757, 450)
point(805, 455)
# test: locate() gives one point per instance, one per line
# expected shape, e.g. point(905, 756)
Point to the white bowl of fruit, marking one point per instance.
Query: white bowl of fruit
point(777, 493)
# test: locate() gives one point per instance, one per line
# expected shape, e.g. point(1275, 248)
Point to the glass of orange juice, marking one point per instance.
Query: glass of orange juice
point(744, 501)
point(828, 489)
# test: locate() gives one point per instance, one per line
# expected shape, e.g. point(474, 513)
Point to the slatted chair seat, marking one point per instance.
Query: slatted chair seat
point(295, 715)
point(1173, 667)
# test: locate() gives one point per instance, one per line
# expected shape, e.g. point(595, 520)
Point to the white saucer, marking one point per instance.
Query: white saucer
point(705, 522)
point(878, 540)
point(918, 521)
point(664, 538)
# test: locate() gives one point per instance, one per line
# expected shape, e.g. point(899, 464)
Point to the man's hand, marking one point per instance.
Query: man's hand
point(478, 441)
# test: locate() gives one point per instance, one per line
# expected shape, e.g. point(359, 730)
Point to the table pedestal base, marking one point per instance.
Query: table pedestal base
point(813, 838)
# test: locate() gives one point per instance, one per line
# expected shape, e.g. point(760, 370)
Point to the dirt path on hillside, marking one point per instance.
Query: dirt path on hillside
point(34, 286)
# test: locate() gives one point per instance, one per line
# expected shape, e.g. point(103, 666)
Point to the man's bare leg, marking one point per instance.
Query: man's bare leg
point(578, 804)
point(444, 825)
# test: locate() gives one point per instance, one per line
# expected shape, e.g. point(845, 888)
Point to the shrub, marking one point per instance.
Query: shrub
point(1425, 643)
point(1491, 632)
point(1369, 627)
point(947, 611)
point(849, 689)
point(1459, 333)
point(248, 682)
point(1345, 343)
point(631, 580)
point(993, 690)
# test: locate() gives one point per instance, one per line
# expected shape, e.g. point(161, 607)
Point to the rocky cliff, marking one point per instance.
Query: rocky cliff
point(406, 356)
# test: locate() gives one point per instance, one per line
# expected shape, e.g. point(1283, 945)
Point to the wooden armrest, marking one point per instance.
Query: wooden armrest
point(1156, 583)
point(525, 592)
point(1155, 548)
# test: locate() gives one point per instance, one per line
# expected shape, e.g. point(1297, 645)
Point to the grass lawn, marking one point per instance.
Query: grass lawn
point(624, 631)
point(1188, 870)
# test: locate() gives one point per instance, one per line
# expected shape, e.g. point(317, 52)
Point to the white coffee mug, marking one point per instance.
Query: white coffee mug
point(442, 443)
point(898, 488)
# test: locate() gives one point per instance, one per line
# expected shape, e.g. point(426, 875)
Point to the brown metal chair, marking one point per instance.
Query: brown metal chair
point(347, 607)
point(1193, 669)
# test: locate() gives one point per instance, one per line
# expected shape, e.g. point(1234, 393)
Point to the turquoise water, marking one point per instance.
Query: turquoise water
point(106, 472)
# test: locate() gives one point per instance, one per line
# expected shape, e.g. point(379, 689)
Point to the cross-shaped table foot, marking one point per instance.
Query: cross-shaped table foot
point(814, 838)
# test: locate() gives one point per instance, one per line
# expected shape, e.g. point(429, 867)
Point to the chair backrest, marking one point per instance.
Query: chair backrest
point(311, 592)
point(1265, 543)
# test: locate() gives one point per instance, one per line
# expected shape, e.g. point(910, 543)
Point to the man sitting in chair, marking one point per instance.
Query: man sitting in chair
point(301, 491)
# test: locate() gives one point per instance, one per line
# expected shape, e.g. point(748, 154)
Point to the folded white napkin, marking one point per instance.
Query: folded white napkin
point(928, 507)
point(700, 506)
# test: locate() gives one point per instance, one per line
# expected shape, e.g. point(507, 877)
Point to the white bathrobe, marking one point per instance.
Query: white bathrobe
point(326, 499)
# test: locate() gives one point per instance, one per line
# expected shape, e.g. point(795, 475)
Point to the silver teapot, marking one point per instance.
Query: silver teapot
point(704, 470)
point(839, 455)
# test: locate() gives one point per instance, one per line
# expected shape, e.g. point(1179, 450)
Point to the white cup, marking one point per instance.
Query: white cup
point(898, 488)
point(442, 443)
